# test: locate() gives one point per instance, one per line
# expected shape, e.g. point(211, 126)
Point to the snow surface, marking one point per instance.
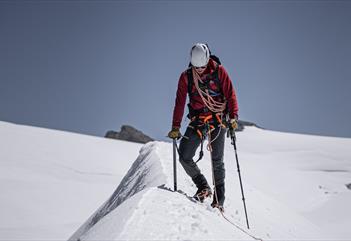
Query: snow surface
point(51, 181)
point(295, 188)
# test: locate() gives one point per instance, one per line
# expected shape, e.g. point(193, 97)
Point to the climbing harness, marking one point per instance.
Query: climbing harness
point(203, 125)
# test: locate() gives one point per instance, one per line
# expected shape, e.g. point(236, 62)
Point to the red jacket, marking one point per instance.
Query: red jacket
point(196, 101)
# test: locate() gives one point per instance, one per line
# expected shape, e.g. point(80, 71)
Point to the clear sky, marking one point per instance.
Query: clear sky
point(92, 66)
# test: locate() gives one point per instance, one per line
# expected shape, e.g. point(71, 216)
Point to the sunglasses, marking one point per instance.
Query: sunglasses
point(203, 67)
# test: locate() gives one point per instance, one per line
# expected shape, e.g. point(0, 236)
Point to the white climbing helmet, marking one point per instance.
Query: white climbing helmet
point(199, 55)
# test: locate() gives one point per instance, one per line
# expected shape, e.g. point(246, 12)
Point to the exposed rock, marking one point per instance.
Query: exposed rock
point(129, 133)
point(242, 124)
point(348, 186)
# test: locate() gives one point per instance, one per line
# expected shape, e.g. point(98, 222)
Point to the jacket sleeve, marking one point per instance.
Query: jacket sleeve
point(180, 100)
point(229, 93)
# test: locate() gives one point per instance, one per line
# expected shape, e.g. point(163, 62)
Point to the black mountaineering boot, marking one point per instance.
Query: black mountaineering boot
point(202, 193)
point(203, 189)
point(218, 197)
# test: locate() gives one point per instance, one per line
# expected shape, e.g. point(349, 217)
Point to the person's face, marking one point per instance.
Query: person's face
point(200, 70)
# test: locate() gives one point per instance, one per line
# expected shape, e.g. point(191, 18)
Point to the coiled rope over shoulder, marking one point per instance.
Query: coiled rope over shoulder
point(210, 103)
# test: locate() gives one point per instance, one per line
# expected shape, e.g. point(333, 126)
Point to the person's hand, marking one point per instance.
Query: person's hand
point(233, 124)
point(174, 133)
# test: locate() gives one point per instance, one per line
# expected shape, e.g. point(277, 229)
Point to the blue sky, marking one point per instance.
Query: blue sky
point(92, 66)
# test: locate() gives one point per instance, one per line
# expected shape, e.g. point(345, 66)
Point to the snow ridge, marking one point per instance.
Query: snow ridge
point(145, 207)
point(139, 177)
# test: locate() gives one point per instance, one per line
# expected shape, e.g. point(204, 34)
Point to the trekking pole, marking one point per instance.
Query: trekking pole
point(232, 134)
point(175, 164)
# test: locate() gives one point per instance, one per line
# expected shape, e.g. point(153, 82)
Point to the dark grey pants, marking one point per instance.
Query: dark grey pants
point(189, 145)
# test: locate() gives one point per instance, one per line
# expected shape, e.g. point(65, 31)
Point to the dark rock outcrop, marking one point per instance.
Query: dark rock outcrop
point(129, 133)
point(242, 124)
point(348, 186)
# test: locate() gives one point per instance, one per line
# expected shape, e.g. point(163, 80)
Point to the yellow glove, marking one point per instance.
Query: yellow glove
point(233, 124)
point(174, 133)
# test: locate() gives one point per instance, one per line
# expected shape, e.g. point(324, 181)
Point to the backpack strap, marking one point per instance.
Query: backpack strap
point(217, 81)
point(219, 87)
point(215, 58)
point(190, 81)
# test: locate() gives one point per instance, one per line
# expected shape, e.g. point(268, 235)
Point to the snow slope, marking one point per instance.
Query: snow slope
point(51, 181)
point(295, 189)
